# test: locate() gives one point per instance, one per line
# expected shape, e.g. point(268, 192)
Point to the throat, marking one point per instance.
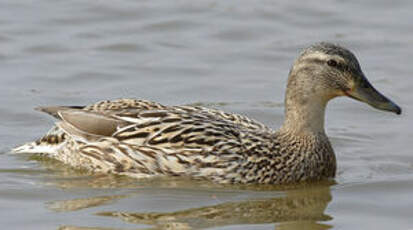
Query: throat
point(304, 116)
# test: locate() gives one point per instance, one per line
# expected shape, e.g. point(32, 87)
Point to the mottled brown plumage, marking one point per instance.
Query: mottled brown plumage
point(142, 139)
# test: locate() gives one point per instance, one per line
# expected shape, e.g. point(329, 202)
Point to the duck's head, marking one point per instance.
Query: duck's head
point(325, 71)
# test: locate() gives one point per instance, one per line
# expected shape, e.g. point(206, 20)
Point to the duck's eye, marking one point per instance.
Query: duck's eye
point(332, 62)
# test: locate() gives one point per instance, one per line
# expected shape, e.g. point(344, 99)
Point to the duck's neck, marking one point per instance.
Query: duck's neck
point(304, 113)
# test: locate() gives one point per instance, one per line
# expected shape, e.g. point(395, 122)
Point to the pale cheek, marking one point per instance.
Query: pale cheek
point(342, 85)
point(326, 90)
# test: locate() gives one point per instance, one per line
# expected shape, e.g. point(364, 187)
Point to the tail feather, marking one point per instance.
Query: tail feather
point(35, 147)
point(48, 144)
point(53, 110)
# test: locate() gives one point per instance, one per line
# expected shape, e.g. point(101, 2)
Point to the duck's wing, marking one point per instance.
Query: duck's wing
point(163, 128)
point(129, 107)
point(234, 118)
point(119, 105)
point(106, 107)
point(141, 122)
point(87, 124)
point(56, 137)
point(53, 110)
point(140, 142)
point(154, 142)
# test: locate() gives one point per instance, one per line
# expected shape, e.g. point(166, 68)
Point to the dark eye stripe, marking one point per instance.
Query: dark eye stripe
point(339, 65)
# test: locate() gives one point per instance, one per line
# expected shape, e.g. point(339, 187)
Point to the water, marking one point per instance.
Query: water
point(231, 55)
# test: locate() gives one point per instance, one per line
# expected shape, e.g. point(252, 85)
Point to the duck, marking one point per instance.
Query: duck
point(144, 139)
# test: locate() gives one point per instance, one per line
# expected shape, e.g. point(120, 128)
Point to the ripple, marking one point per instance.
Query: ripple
point(123, 48)
point(236, 35)
point(5, 38)
point(174, 25)
point(47, 49)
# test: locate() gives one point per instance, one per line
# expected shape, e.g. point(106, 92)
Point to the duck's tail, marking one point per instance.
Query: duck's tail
point(48, 144)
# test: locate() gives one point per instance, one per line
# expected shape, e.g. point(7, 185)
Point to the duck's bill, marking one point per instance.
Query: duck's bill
point(365, 92)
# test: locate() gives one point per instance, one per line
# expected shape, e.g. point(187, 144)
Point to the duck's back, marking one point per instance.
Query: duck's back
point(141, 138)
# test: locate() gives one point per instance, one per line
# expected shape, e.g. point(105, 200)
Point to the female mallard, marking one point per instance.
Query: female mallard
point(143, 139)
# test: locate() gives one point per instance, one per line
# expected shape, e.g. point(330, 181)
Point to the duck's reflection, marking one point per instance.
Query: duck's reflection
point(82, 203)
point(292, 207)
point(298, 209)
